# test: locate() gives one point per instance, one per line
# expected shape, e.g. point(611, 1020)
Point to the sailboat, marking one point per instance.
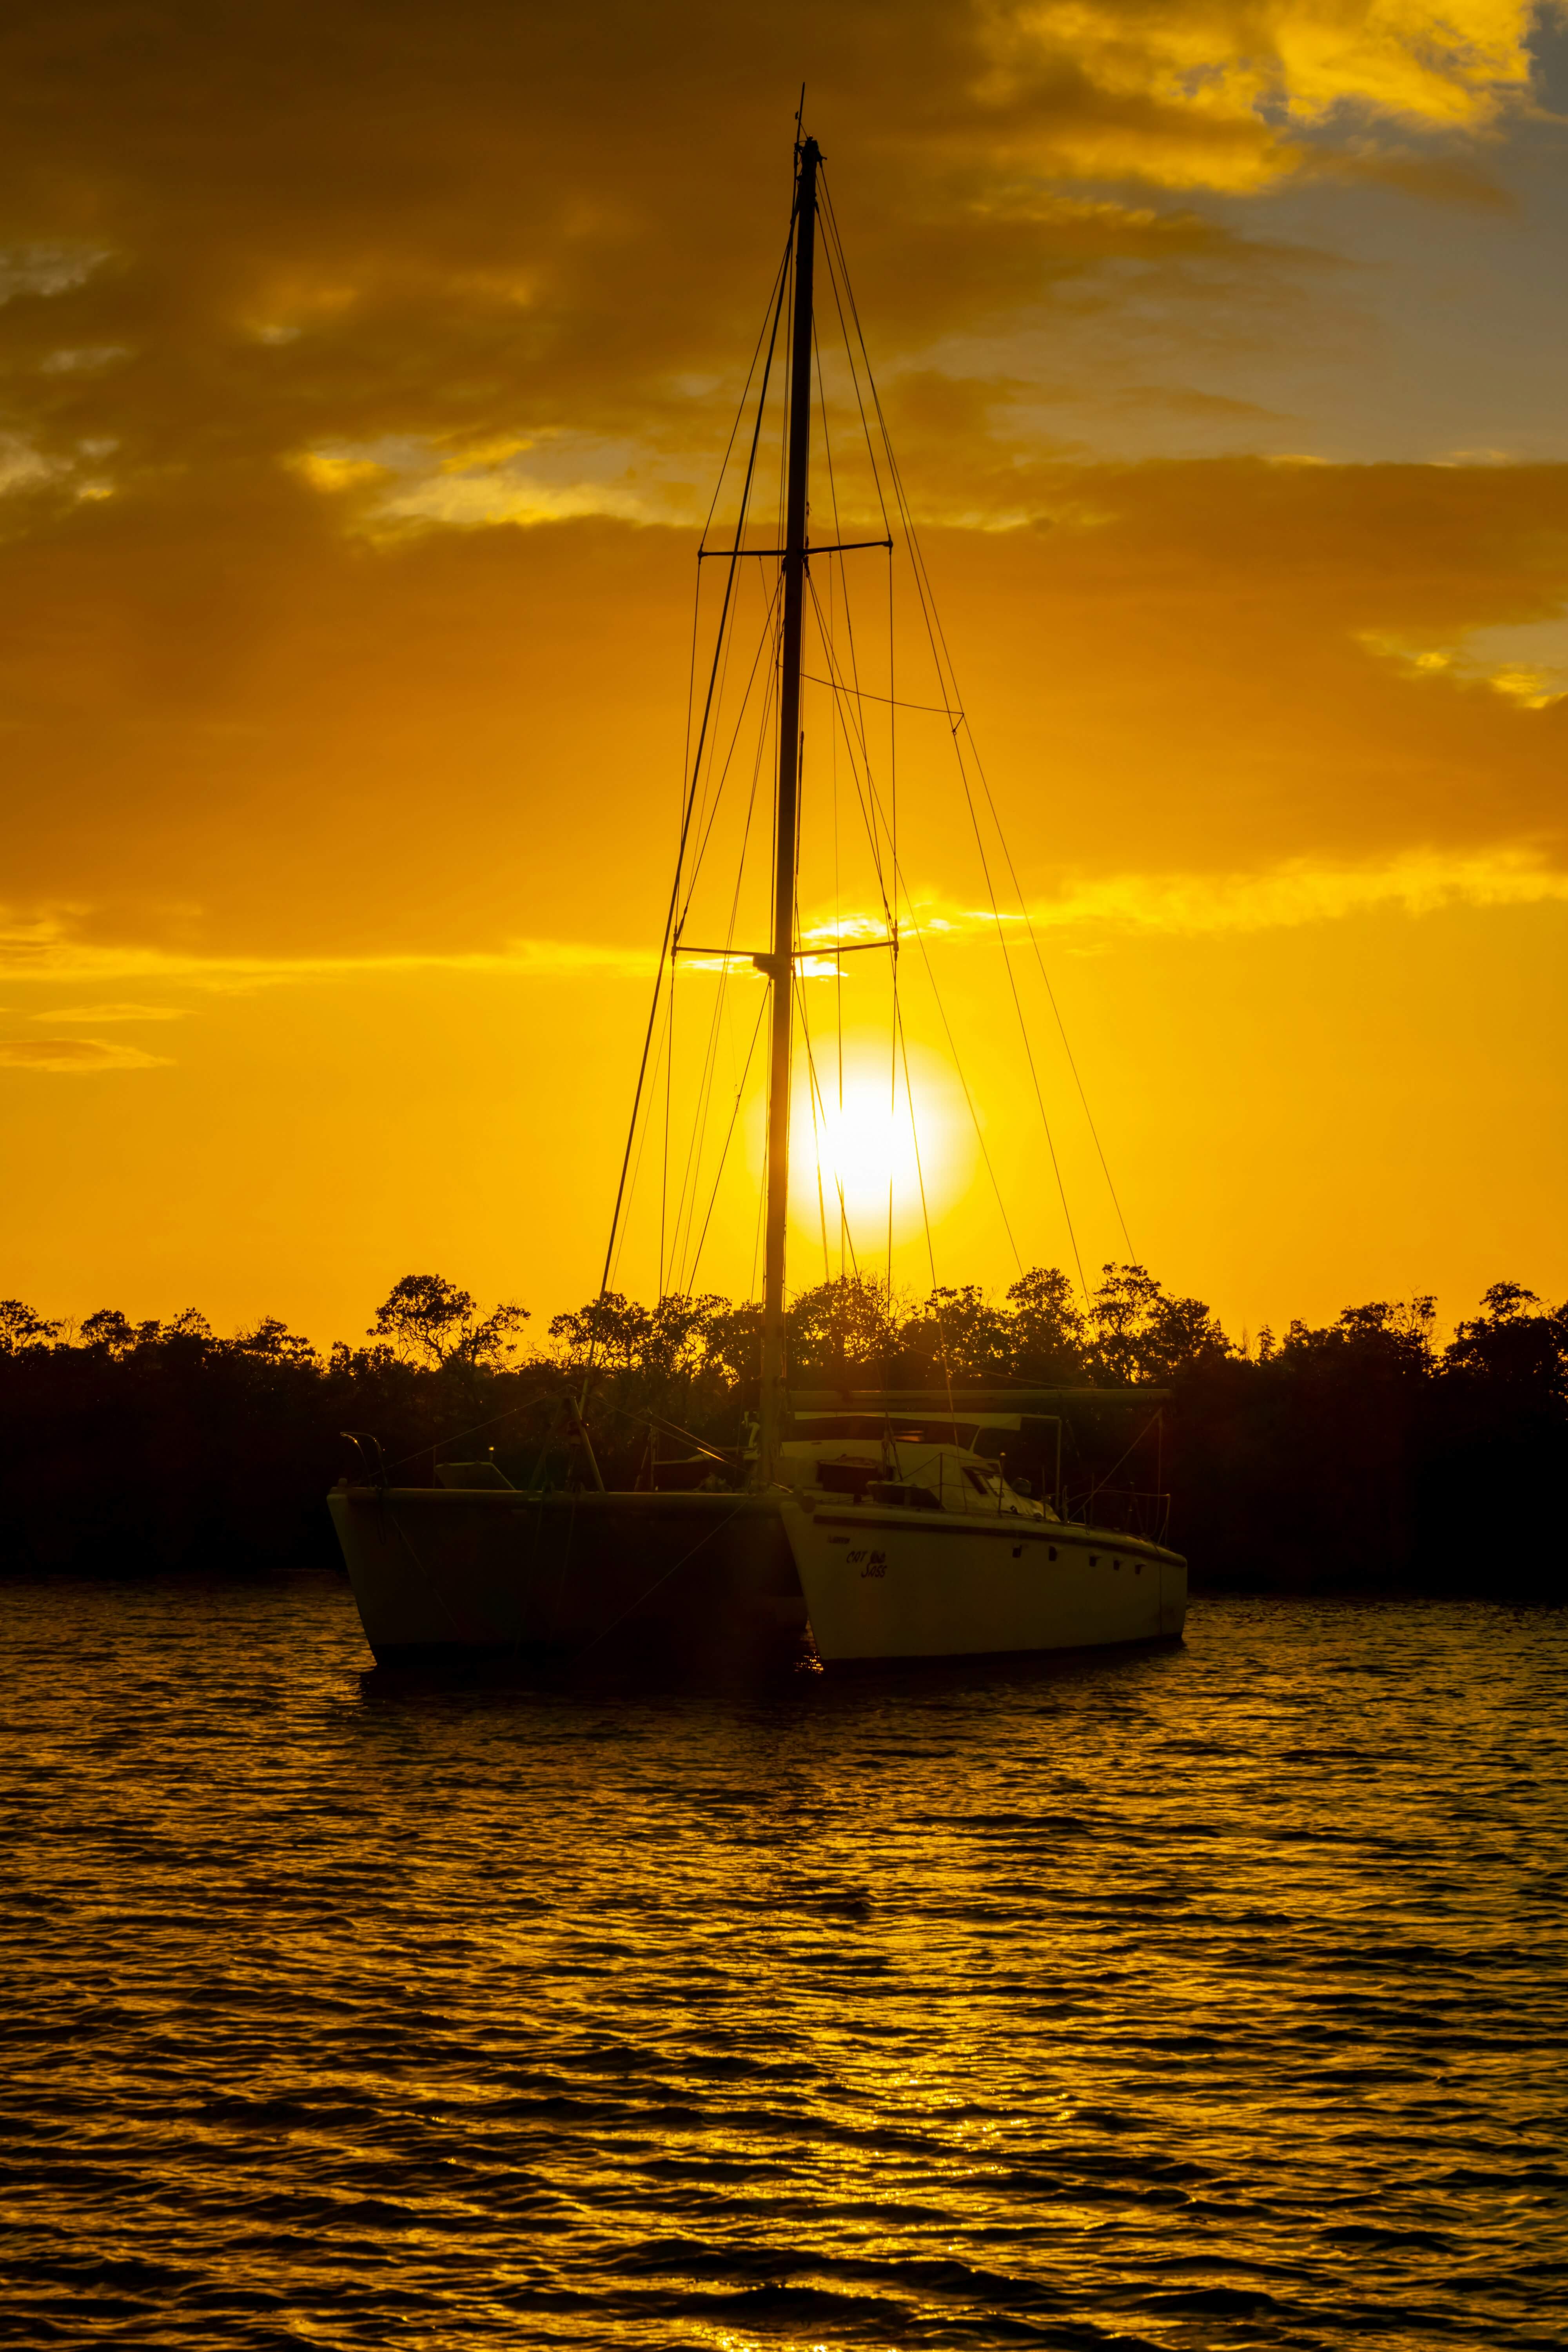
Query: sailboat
point(855, 1525)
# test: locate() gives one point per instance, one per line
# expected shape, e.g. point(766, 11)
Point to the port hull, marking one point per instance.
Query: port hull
point(441, 1575)
point(915, 1584)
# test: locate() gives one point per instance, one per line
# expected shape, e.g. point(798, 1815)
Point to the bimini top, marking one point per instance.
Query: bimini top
point(965, 1402)
point(966, 1417)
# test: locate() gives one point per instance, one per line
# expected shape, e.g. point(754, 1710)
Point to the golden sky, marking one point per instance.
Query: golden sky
point(365, 374)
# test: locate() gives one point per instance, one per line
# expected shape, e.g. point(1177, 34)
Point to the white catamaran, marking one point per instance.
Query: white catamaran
point(871, 1525)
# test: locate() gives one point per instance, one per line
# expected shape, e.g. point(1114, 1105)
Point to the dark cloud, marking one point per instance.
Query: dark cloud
point(248, 731)
point(1207, 659)
point(240, 715)
point(452, 220)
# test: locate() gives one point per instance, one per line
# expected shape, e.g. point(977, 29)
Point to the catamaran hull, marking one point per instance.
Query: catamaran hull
point(455, 1574)
point(908, 1584)
point(721, 1580)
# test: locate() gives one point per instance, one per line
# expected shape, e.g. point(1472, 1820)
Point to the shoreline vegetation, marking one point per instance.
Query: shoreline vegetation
point(1362, 1457)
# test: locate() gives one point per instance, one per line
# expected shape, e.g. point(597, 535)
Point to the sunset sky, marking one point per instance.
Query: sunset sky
point(367, 372)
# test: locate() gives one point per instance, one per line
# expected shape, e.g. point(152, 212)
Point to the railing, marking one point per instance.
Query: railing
point(1132, 1510)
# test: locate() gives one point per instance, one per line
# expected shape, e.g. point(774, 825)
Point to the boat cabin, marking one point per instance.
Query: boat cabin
point(905, 1472)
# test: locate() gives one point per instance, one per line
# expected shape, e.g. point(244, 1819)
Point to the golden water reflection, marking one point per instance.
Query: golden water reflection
point(1204, 1997)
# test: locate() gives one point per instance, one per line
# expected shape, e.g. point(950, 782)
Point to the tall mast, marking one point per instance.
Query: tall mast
point(781, 960)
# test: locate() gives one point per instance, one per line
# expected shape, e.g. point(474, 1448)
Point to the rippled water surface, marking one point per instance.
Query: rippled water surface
point(1211, 1997)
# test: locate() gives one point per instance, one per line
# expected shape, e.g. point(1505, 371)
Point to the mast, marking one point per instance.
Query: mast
point(781, 962)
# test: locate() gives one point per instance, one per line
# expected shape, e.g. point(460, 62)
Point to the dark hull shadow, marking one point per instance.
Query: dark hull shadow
point(524, 1673)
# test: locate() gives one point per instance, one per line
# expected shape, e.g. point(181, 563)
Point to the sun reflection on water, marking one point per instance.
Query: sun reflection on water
point(1197, 1998)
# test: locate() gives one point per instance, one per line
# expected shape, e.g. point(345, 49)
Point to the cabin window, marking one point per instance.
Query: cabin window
point(980, 1485)
point(908, 1497)
point(844, 1477)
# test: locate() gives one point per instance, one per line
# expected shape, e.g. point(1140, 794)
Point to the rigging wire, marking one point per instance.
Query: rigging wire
point(943, 659)
point(637, 1165)
point(871, 813)
point(838, 961)
point(837, 525)
point(770, 678)
point(815, 1086)
point(705, 1088)
point(724, 1152)
point(901, 883)
point(925, 1219)
point(864, 694)
point(844, 1244)
point(831, 244)
point(781, 281)
point(668, 1100)
point(708, 772)
point(915, 1139)
point(697, 1143)
point(897, 1018)
point(1023, 1026)
point(817, 1129)
point(934, 621)
point(1051, 996)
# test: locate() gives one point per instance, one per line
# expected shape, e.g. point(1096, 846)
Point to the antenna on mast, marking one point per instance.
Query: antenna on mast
point(799, 117)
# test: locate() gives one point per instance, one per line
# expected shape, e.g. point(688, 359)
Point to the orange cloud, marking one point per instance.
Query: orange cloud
point(335, 751)
point(76, 1057)
point(1224, 85)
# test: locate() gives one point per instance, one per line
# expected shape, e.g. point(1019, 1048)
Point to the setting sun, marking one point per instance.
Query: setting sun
point(851, 1158)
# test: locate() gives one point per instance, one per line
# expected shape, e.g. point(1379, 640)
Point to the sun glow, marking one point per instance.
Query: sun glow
point(852, 1155)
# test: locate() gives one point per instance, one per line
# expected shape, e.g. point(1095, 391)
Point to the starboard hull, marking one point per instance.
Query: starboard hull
point(915, 1584)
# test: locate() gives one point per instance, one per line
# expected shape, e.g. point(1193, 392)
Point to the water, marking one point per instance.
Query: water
point(1207, 1998)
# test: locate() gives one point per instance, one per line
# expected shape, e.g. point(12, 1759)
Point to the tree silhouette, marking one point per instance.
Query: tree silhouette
point(1049, 1340)
point(845, 1331)
point(427, 1320)
point(1356, 1456)
point(956, 1335)
point(276, 1344)
point(1516, 1343)
point(112, 1331)
point(611, 1329)
point(21, 1328)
